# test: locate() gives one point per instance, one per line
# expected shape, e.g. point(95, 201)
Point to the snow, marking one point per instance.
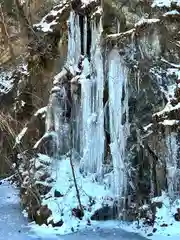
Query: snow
point(20, 135)
point(147, 127)
point(164, 3)
point(171, 64)
point(6, 82)
point(167, 109)
point(87, 2)
point(170, 92)
point(165, 215)
point(116, 35)
point(173, 12)
point(41, 111)
point(13, 225)
point(147, 21)
point(98, 10)
point(47, 26)
point(62, 207)
point(169, 122)
point(174, 71)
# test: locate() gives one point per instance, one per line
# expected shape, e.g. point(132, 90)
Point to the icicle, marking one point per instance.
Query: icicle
point(118, 26)
point(92, 107)
point(118, 105)
point(171, 164)
point(85, 35)
point(74, 40)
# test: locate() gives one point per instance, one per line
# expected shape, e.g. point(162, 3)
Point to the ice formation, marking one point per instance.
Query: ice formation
point(118, 110)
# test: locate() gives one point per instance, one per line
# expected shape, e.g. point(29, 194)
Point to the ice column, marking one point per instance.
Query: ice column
point(92, 108)
point(171, 164)
point(118, 113)
point(74, 39)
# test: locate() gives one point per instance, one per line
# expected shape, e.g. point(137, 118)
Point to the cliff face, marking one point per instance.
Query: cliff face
point(100, 93)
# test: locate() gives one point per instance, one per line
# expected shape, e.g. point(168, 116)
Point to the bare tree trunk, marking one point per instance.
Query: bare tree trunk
point(72, 167)
point(23, 18)
point(5, 31)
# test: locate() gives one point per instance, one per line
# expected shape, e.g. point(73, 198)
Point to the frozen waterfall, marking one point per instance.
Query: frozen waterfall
point(92, 108)
point(172, 165)
point(86, 64)
point(118, 113)
point(74, 39)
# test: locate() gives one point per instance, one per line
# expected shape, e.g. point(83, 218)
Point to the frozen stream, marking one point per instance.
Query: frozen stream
point(13, 225)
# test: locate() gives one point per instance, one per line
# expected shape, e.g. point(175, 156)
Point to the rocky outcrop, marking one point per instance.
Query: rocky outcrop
point(148, 57)
point(100, 85)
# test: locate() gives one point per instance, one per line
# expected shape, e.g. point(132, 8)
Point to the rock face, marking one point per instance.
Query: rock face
point(106, 82)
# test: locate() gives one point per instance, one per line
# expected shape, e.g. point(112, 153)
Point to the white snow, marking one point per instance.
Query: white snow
point(166, 3)
point(62, 207)
point(171, 64)
point(87, 2)
point(41, 111)
point(6, 82)
point(20, 135)
point(47, 26)
point(13, 225)
point(167, 108)
point(145, 20)
point(116, 35)
point(44, 26)
point(169, 122)
point(98, 10)
point(173, 12)
point(174, 71)
point(147, 127)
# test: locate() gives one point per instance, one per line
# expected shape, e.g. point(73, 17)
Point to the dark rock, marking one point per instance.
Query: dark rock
point(77, 213)
point(156, 204)
point(164, 225)
point(42, 215)
point(177, 215)
point(150, 234)
point(154, 230)
point(58, 224)
point(44, 176)
point(105, 213)
point(57, 194)
point(43, 189)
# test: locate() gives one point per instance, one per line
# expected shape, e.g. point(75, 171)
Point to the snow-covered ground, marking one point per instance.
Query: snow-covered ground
point(13, 225)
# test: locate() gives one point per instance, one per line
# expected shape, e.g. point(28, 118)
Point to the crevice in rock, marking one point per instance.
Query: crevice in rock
point(89, 37)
